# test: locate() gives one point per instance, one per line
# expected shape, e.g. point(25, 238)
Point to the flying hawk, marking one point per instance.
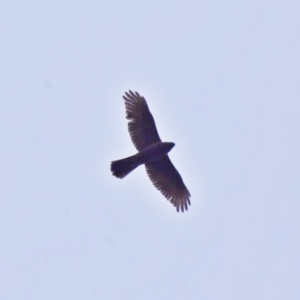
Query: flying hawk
point(152, 152)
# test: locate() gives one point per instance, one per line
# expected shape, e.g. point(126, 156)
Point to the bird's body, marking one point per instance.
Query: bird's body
point(123, 167)
point(152, 152)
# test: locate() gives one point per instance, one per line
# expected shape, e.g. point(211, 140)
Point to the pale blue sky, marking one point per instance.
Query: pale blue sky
point(222, 81)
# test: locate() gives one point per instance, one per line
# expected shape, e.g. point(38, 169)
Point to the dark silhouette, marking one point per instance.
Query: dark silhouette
point(152, 152)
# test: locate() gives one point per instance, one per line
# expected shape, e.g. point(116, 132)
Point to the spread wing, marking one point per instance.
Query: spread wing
point(141, 124)
point(167, 179)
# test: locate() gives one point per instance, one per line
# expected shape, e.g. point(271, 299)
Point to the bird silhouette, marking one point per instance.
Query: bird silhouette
point(152, 152)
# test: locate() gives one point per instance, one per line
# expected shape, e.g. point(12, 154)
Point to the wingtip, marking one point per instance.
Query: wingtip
point(130, 93)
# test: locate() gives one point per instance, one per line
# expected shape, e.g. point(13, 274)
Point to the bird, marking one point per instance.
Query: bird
point(152, 152)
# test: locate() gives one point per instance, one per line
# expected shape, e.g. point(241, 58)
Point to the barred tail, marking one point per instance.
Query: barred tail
point(121, 168)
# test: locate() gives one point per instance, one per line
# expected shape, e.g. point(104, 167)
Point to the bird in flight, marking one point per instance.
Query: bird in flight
point(152, 152)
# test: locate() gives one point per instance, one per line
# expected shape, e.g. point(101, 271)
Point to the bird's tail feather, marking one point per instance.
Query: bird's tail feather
point(121, 168)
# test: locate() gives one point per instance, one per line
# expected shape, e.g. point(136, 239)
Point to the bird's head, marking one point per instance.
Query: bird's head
point(169, 146)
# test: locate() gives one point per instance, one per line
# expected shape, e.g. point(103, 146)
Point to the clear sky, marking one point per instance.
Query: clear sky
point(221, 79)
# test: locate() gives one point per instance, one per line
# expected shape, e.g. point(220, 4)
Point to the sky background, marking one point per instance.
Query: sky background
point(221, 79)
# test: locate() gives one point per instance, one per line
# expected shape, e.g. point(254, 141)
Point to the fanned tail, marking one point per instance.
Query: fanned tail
point(121, 168)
